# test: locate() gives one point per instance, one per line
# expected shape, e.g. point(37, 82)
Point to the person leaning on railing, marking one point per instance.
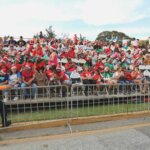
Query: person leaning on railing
point(3, 108)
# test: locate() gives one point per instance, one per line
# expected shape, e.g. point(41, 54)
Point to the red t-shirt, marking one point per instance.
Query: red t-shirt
point(86, 74)
point(64, 76)
point(100, 66)
point(63, 55)
point(70, 69)
point(39, 65)
point(27, 75)
point(71, 54)
point(38, 52)
point(134, 75)
point(18, 66)
point(128, 76)
point(96, 77)
point(49, 74)
point(27, 63)
point(108, 51)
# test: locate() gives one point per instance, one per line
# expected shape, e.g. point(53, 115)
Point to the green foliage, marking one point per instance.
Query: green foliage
point(50, 33)
point(143, 43)
point(108, 35)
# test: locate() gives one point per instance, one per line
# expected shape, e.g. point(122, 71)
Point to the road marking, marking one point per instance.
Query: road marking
point(74, 134)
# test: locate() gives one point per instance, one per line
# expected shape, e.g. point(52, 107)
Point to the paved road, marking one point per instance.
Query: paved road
point(133, 134)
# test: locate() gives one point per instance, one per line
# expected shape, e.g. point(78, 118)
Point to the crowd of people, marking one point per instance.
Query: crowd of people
point(43, 62)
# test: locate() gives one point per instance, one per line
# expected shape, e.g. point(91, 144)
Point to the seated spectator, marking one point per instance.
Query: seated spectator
point(70, 66)
point(53, 58)
point(99, 65)
point(18, 64)
point(28, 79)
point(129, 80)
point(50, 76)
point(119, 76)
point(75, 77)
point(98, 80)
point(71, 53)
point(38, 50)
point(109, 64)
point(61, 77)
point(107, 75)
point(15, 80)
point(147, 60)
point(86, 76)
point(40, 76)
point(39, 64)
point(139, 79)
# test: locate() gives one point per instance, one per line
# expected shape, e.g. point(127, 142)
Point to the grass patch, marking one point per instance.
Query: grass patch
point(30, 114)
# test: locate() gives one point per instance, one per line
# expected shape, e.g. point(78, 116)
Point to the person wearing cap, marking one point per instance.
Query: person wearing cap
point(18, 64)
point(14, 80)
point(62, 78)
point(3, 108)
point(28, 80)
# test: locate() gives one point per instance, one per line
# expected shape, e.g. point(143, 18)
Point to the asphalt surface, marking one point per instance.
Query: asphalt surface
point(131, 134)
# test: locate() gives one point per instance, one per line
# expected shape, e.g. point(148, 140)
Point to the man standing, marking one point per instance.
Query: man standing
point(3, 109)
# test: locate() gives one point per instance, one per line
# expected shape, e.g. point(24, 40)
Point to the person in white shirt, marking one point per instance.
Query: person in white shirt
point(14, 80)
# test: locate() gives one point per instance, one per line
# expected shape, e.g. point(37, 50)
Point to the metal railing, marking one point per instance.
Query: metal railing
point(66, 102)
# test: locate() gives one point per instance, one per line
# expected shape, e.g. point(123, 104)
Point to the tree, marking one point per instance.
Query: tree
point(106, 35)
point(50, 33)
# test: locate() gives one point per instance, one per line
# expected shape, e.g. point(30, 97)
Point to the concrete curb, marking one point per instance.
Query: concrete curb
point(73, 121)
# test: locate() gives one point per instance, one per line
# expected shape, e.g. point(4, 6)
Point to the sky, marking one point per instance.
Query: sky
point(86, 17)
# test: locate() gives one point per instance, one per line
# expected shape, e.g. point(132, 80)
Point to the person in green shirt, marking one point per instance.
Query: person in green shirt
point(107, 74)
point(109, 64)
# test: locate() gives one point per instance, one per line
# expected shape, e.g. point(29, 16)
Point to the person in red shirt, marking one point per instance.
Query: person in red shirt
point(5, 64)
point(28, 62)
point(28, 79)
point(99, 65)
point(129, 79)
point(86, 76)
point(71, 52)
point(61, 77)
point(98, 79)
point(38, 51)
point(50, 76)
point(53, 58)
point(18, 64)
point(39, 64)
point(70, 66)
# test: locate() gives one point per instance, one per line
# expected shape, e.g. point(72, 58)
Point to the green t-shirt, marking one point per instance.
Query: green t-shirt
point(107, 74)
point(111, 66)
